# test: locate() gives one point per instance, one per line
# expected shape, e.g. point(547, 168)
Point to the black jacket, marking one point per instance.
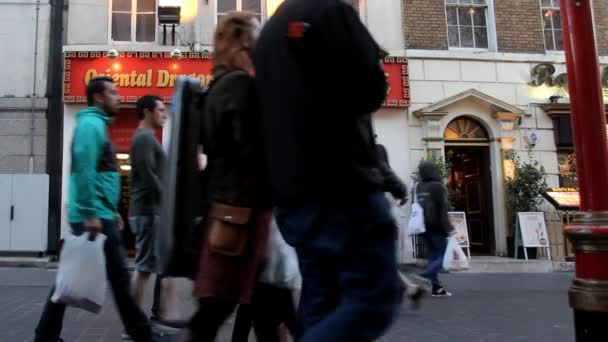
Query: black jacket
point(433, 198)
point(231, 139)
point(318, 78)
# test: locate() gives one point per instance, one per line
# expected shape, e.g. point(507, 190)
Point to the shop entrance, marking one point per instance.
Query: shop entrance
point(469, 184)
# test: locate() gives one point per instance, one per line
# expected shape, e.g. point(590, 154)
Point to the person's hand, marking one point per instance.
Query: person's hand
point(202, 161)
point(401, 197)
point(120, 222)
point(93, 226)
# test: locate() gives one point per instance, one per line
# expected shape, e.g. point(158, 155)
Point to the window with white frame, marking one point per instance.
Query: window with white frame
point(226, 6)
point(467, 22)
point(552, 25)
point(134, 20)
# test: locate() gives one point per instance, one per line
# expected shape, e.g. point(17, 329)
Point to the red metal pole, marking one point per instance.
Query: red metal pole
point(589, 231)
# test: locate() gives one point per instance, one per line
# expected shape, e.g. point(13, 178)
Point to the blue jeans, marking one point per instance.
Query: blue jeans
point(134, 320)
point(350, 289)
point(436, 245)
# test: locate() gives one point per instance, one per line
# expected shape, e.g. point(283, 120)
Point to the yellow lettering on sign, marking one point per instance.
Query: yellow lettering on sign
point(141, 81)
point(91, 74)
point(163, 79)
point(123, 80)
point(172, 79)
point(115, 78)
point(132, 79)
point(149, 78)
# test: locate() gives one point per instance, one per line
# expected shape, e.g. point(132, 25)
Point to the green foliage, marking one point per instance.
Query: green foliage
point(525, 188)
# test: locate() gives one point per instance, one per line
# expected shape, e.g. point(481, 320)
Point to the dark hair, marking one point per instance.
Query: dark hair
point(96, 86)
point(146, 102)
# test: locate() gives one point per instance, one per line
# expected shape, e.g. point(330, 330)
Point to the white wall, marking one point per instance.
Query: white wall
point(17, 39)
point(391, 127)
point(383, 19)
point(69, 122)
point(88, 22)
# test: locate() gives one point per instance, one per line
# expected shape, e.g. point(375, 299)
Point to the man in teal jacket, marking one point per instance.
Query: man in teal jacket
point(94, 196)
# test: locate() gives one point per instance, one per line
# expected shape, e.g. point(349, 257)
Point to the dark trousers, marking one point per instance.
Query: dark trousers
point(134, 320)
point(211, 314)
point(436, 245)
point(270, 307)
point(350, 289)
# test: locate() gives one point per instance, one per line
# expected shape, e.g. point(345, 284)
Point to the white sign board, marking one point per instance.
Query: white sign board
point(459, 222)
point(533, 230)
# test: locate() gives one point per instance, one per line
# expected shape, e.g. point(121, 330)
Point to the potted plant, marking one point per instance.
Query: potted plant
point(524, 193)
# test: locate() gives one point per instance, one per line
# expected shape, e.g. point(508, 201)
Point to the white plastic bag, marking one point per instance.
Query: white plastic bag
point(281, 268)
point(81, 279)
point(416, 224)
point(454, 258)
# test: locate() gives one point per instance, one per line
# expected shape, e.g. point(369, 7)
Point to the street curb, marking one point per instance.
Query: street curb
point(42, 263)
point(24, 262)
point(532, 266)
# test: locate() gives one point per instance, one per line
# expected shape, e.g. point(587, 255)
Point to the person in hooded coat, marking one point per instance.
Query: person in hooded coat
point(433, 197)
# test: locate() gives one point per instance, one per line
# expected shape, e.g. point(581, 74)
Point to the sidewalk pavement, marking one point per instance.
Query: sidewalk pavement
point(485, 307)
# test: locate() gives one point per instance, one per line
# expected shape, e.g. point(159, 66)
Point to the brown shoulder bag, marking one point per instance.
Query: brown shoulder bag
point(228, 229)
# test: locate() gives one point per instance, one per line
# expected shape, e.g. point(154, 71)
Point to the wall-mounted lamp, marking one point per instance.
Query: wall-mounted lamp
point(169, 16)
point(555, 98)
point(112, 53)
point(176, 54)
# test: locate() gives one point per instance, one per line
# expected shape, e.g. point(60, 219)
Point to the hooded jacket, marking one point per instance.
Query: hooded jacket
point(94, 177)
point(319, 77)
point(433, 198)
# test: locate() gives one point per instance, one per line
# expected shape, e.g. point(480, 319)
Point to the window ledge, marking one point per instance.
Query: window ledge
point(125, 47)
point(466, 54)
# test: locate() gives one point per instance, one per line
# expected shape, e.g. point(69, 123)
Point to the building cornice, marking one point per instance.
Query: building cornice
point(555, 110)
point(486, 56)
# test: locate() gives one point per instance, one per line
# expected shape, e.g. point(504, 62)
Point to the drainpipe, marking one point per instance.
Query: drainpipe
point(34, 95)
point(54, 119)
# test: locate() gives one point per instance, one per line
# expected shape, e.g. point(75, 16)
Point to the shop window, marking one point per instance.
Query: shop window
point(467, 22)
point(465, 129)
point(226, 6)
point(567, 168)
point(134, 20)
point(552, 25)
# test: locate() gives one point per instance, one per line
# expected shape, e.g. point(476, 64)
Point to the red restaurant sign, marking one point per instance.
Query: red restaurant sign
point(140, 73)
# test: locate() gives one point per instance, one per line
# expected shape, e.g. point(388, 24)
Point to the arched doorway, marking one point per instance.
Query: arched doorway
point(470, 182)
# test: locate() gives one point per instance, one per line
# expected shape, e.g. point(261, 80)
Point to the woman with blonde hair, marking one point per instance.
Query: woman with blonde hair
point(237, 208)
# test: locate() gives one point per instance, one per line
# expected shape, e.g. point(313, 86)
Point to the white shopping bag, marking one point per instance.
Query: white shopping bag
point(81, 279)
point(416, 224)
point(454, 258)
point(281, 268)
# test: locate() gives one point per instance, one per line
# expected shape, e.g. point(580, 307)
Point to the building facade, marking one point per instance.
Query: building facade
point(474, 81)
point(25, 41)
point(487, 80)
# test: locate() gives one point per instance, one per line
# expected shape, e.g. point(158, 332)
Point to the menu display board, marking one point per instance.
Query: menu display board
point(459, 222)
point(563, 198)
point(533, 229)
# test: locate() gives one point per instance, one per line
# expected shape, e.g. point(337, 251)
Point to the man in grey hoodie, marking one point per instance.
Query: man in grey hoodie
point(433, 198)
